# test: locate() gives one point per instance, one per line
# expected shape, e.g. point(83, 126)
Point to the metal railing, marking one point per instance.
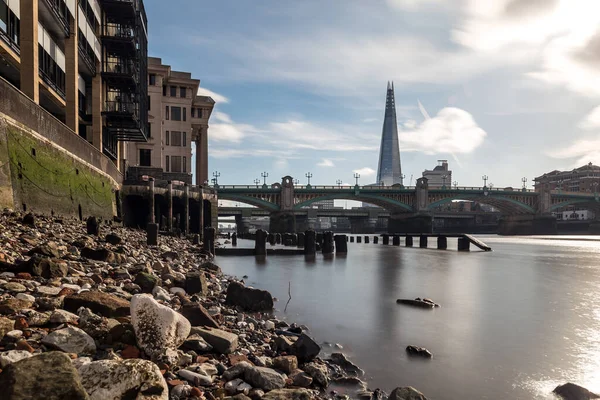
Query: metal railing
point(380, 188)
point(124, 107)
point(117, 67)
point(118, 31)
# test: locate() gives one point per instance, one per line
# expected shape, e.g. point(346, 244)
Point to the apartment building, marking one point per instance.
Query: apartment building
point(84, 61)
point(177, 117)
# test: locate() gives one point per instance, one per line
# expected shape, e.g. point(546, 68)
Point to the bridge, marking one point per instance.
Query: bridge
point(410, 208)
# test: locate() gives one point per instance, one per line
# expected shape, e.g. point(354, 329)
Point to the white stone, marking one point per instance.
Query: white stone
point(157, 327)
point(269, 325)
point(70, 340)
point(76, 288)
point(11, 356)
point(63, 317)
point(25, 296)
point(114, 380)
point(194, 377)
point(160, 294)
point(7, 275)
point(176, 290)
point(48, 290)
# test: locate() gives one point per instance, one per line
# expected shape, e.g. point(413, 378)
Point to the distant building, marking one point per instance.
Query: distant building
point(574, 215)
point(389, 170)
point(324, 204)
point(583, 179)
point(439, 176)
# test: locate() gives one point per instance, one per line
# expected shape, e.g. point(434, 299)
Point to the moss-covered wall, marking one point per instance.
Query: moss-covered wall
point(44, 178)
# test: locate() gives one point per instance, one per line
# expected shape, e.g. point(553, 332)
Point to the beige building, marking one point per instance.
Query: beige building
point(177, 117)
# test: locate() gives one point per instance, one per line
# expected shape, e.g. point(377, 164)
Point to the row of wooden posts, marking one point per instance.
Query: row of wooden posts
point(208, 238)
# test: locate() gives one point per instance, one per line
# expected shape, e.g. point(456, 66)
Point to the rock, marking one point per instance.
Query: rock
point(247, 298)
point(418, 302)
point(47, 268)
point(236, 371)
point(49, 303)
point(406, 393)
point(28, 219)
point(223, 342)
point(285, 363)
point(210, 266)
point(305, 348)
point(101, 303)
point(571, 391)
point(13, 306)
point(169, 255)
point(269, 325)
point(282, 344)
point(48, 290)
point(288, 394)
point(98, 254)
point(123, 379)
point(418, 351)
point(113, 239)
point(49, 249)
point(347, 365)
point(146, 281)
point(157, 327)
point(197, 315)
point(6, 325)
point(300, 378)
point(50, 376)
point(197, 343)
point(194, 377)
point(130, 352)
point(11, 356)
point(35, 318)
point(70, 340)
point(231, 387)
point(26, 297)
point(63, 317)
point(92, 226)
point(318, 372)
point(195, 282)
point(14, 287)
point(264, 378)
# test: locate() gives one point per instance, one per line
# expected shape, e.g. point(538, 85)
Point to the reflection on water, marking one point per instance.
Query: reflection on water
point(514, 323)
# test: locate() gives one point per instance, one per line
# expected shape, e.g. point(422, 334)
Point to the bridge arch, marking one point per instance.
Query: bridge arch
point(383, 202)
point(253, 201)
point(588, 204)
point(506, 205)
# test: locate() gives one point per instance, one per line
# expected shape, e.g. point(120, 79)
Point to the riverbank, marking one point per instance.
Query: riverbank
point(117, 318)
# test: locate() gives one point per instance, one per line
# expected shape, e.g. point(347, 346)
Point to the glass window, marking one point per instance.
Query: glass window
point(149, 130)
point(184, 164)
point(199, 112)
point(184, 140)
point(167, 164)
point(167, 138)
point(167, 112)
point(173, 91)
point(184, 113)
point(145, 157)
point(164, 90)
point(148, 103)
point(175, 138)
point(175, 113)
point(193, 112)
point(152, 79)
point(182, 92)
point(3, 16)
point(176, 164)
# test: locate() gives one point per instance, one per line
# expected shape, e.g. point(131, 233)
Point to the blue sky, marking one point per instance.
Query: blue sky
point(505, 88)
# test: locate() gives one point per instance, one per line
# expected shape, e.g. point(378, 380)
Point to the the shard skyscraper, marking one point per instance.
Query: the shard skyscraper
point(389, 171)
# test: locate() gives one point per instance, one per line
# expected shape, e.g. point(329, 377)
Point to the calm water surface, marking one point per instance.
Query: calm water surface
point(514, 323)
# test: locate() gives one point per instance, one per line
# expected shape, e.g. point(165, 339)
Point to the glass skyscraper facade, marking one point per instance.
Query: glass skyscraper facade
point(389, 171)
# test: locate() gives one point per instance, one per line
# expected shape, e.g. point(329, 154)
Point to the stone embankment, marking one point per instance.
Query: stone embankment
point(104, 316)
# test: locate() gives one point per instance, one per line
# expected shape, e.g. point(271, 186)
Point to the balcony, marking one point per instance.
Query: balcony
point(121, 36)
point(121, 72)
point(12, 44)
point(52, 83)
point(121, 109)
point(60, 13)
point(126, 9)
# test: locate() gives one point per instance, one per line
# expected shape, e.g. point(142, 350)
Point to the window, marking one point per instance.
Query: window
point(149, 130)
point(182, 92)
point(193, 112)
point(176, 164)
point(175, 113)
point(198, 113)
point(167, 165)
point(167, 112)
point(167, 138)
point(173, 91)
point(152, 79)
point(184, 139)
point(184, 112)
point(175, 138)
point(164, 90)
point(184, 164)
point(145, 157)
point(148, 103)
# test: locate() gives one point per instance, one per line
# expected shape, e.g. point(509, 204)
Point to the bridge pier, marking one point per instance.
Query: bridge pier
point(186, 209)
point(544, 224)
point(151, 202)
point(282, 222)
point(169, 206)
point(410, 223)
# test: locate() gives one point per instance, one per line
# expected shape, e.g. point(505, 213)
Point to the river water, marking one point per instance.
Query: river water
point(513, 323)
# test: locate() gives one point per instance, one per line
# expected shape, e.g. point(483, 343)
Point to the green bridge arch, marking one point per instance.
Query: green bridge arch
point(384, 202)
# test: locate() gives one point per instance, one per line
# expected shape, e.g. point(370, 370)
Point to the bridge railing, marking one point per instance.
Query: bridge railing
point(373, 187)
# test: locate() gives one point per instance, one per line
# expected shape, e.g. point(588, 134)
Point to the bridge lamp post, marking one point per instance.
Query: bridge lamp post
point(296, 181)
point(308, 176)
point(339, 183)
point(595, 189)
point(264, 175)
point(216, 175)
point(524, 180)
point(455, 185)
point(256, 181)
point(444, 177)
point(485, 179)
point(402, 176)
point(356, 176)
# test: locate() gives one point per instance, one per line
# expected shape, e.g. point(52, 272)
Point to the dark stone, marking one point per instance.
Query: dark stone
point(49, 249)
point(211, 267)
point(305, 348)
point(113, 238)
point(248, 299)
point(101, 303)
point(152, 234)
point(28, 220)
point(571, 391)
point(418, 302)
point(101, 254)
point(13, 306)
point(195, 282)
point(93, 226)
point(347, 365)
point(169, 255)
point(197, 315)
point(418, 351)
point(44, 267)
point(406, 393)
point(49, 375)
point(146, 281)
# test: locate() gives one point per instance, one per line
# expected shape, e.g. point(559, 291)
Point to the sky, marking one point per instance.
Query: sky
point(503, 88)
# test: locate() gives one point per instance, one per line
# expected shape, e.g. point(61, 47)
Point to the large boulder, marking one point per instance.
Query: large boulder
point(286, 364)
point(101, 303)
point(101, 254)
point(50, 376)
point(129, 379)
point(195, 282)
point(248, 299)
point(288, 394)
point(198, 316)
point(222, 341)
point(12, 306)
point(70, 340)
point(318, 372)
point(157, 327)
point(571, 391)
point(264, 378)
point(6, 325)
point(146, 281)
point(406, 393)
point(305, 348)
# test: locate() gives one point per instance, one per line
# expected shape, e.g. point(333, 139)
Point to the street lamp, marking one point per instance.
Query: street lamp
point(402, 176)
point(455, 185)
point(595, 188)
point(524, 180)
point(485, 179)
point(308, 175)
point(216, 175)
point(444, 181)
point(339, 182)
point(356, 176)
point(296, 181)
point(256, 181)
point(264, 176)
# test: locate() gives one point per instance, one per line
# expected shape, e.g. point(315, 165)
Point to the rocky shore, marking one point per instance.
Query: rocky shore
point(104, 316)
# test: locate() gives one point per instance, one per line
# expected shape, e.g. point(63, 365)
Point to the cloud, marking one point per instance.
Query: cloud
point(452, 130)
point(218, 152)
point(412, 5)
point(225, 130)
point(364, 172)
point(592, 120)
point(218, 98)
point(583, 151)
point(326, 162)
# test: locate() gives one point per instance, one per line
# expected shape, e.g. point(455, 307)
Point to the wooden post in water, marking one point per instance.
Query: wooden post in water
point(234, 239)
point(375, 239)
point(366, 239)
point(209, 239)
point(152, 234)
point(409, 241)
point(327, 247)
point(442, 242)
point(341, 244)
point(464, 244)
point(301, 239)
point(386, 239)
point(260, 243)
point(423, 242)
point(278, 238)
point(396, 240)
point(271, 239)
point(359, 239)
point(351, 239)
point(310, 243)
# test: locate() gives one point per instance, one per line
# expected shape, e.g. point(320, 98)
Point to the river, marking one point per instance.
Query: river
point(513, 323)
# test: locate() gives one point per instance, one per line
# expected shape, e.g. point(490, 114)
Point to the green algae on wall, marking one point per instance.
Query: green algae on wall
point(46, 179)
